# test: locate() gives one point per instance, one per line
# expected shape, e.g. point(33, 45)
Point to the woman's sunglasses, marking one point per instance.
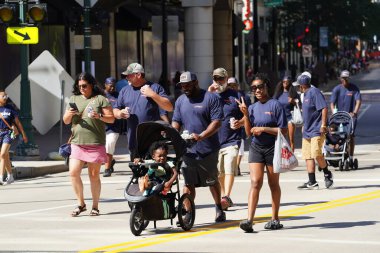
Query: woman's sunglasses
point(255, 87)
point(218, 78)
point(83, 86)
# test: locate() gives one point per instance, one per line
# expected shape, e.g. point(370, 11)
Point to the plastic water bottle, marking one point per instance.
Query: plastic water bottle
point(335, 109)
point(89, 111)
point(341, 128)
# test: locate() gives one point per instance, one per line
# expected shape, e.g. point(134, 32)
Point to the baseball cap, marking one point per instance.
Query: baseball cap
point(302, 80)
point(232, 80)
point(187, 77)
point(110, 80)
point(219, 72)
point(345, 74)
point(287, 78)
point(134, 68)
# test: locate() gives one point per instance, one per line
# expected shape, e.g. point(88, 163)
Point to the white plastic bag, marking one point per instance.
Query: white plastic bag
point(284, 160)
point(297, 115)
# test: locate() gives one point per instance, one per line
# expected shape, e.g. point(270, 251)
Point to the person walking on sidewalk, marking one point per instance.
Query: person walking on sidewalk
point(229, 134)
point(87, 112)
point(200, 113)
point(346, 97)
point(140, 102)
point(263, 120)
point(233, 83)
point(9, 117)
point(114, 129)
point(314, 114)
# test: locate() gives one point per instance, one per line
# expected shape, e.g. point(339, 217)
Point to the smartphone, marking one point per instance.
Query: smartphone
point(74, 106)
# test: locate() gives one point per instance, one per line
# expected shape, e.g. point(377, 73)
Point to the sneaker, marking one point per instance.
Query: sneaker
point(308, 186)
point(9, 180)
point(112, 164)
point(246, 225)
point(273, 225)
point(107, 173)
point(220, 215)
point(329, 179)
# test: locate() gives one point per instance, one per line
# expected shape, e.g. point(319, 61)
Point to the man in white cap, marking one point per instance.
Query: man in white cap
point(314, 114)
point(200, 113)
point(346, 97)
point(229, 134)
point(140, 102)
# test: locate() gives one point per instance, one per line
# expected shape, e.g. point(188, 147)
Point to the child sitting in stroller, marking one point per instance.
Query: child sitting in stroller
point(334, 140)
point(156, 179)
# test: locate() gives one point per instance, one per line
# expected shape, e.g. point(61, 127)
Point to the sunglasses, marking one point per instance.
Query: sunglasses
point(83, 86)
point(4, 96)
point(256, 87)
point(218, 78)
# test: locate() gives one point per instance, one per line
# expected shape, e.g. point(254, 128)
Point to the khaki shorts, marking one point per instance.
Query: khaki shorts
point(111, 139)
point(312, 148)
point(228, 160)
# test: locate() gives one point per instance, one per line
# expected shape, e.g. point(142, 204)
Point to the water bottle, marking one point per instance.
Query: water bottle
point(89, 111)
point(335, 109)
point(341, 128)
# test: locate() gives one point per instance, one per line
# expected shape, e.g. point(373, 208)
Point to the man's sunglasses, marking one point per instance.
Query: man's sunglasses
point(218, 78)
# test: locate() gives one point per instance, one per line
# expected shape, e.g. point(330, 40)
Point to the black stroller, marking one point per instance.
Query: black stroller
point(158, 206)
point(340, 157)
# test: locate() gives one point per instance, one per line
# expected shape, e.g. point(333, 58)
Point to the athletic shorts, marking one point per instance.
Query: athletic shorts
point(228, 160)
point(312, 148)
point(261, 154)
point(200, 173)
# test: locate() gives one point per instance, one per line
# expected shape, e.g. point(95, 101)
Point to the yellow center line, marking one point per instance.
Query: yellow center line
point(215, 228)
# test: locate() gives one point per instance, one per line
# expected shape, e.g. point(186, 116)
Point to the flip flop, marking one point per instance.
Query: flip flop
point(94, 212)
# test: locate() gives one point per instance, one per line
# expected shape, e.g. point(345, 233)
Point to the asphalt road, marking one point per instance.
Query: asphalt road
point(35, 213)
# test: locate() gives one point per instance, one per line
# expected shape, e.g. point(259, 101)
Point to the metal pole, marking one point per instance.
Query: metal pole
point(255, 38)
point(61, 115)
point(164, 46)
point(87, 36)
point(29, 148)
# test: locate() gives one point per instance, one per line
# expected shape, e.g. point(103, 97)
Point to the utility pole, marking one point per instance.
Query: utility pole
point(164, 46)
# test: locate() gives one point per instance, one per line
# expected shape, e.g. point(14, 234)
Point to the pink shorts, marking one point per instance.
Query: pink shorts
point(89, 153)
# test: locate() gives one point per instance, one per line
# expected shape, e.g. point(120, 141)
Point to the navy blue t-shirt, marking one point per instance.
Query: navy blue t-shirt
point(9, 114)
point(142, 109)
point(195, 115)
point(228, 136)
point(121, 84)
point(313, 103)
point(268, 114)
point(345, 98)
point(118, 123)
point(284, 101)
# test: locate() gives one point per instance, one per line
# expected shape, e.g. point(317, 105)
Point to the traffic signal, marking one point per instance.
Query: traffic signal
point(299, 44)
point(307, 29)
point(7, 12)
point(37, 12)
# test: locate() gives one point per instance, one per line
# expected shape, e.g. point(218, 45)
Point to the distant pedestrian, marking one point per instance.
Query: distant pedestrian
point(200, 113)
point(229, 134)
point(140, 102)
point(113, 130)
point(9, 118)
point(346, 97)
point(287, 95)
point(263, 120)
point(314, 113)
point(87, 118)
point(233, 83)
point(122, 82)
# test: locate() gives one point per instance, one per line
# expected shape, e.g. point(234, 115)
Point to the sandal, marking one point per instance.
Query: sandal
point(94, 212)
point(78, 210)
point(273, 225)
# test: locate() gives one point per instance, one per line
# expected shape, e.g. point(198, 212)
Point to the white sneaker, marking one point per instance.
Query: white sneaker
point(9, 180)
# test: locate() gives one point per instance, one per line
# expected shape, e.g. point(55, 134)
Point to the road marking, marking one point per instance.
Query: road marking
point(362, 111)
point(146, 242)
point(329, 241)
point(33, 211)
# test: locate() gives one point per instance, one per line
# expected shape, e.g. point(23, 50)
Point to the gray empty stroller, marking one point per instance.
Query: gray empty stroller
point(158, 206)
point(336, 147)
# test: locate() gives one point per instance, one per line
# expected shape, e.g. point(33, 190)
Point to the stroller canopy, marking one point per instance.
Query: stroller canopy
point(151, 131)
point(343, 118)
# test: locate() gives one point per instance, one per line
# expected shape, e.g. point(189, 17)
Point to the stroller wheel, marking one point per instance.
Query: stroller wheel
point(346, 165)
point(186, 212)
point(130, 205)
point(340, 165)
point(136, 221)
point(356, 164)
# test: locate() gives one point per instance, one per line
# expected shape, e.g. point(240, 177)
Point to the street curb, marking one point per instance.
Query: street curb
point(38, 170)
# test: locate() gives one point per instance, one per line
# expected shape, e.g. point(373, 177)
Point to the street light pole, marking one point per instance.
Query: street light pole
point(25, 149)
point(87, 36)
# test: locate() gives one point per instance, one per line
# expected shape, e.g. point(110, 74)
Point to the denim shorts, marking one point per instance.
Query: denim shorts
point(5, 137)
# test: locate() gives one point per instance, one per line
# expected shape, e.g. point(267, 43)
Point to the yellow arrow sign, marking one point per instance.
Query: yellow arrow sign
point(22, 35)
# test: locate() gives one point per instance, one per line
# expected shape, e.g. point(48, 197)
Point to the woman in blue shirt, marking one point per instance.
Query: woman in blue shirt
point(262, 120)
point(287, 95)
